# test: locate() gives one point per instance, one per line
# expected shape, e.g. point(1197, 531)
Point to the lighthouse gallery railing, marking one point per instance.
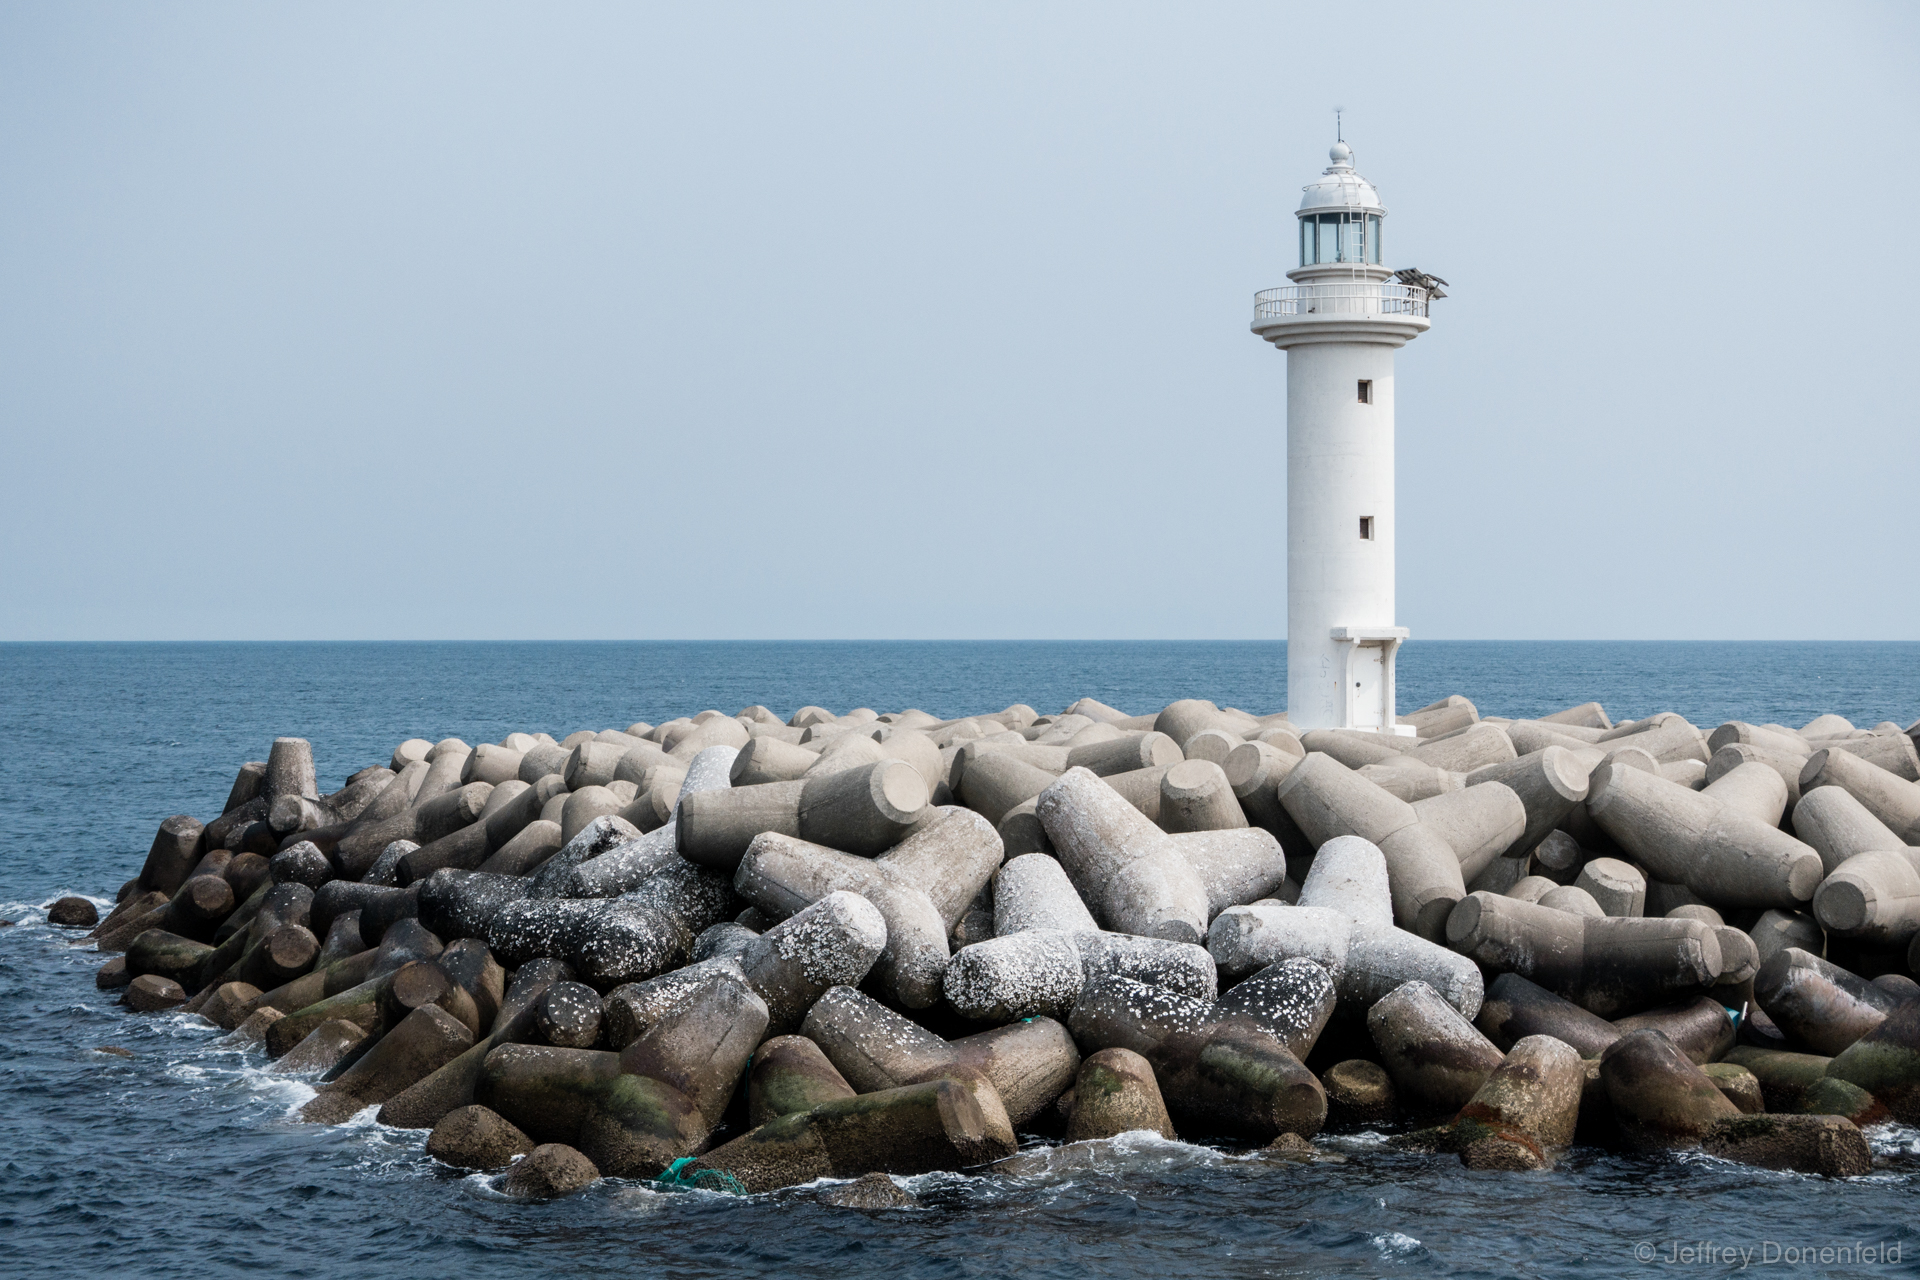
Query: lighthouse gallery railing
point(1358, 299)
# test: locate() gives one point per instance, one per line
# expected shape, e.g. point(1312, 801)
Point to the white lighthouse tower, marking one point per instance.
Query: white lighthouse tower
point(1340, 323)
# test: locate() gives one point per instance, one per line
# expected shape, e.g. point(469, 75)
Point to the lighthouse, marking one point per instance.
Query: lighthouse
point(1340, 323)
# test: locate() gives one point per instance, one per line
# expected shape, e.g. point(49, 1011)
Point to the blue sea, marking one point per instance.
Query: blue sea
point(133, 1146)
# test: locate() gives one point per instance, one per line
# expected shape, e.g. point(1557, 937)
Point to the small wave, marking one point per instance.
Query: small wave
point(1365, 1140)
point(287, 1092)
point(1137, 1151)
point(187, 1026)
point(1893, 1140)
point(25, 914)
point(482, 1186)
point(1395, 1245)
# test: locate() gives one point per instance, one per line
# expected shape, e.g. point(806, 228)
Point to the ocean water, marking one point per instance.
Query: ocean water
point(133, 1145)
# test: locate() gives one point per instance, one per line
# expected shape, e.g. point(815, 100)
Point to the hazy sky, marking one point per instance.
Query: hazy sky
point(702, 320)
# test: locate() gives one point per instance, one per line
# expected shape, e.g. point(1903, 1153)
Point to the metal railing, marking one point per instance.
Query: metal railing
point(1357, 299)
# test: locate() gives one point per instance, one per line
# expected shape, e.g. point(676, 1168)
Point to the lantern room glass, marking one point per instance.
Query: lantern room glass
point(1333, 238)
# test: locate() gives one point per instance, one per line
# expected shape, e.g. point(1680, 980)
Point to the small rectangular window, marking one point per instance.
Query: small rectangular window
point(1366, 527)
point(1366, 391)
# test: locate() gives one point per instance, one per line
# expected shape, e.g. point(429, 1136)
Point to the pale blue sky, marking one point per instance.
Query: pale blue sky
point(900, 321)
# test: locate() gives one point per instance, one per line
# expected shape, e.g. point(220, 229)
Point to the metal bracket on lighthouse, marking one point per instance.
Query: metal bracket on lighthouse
point(1368, 693)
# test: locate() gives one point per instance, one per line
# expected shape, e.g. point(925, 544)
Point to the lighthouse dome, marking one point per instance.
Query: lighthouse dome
point(1340, 187)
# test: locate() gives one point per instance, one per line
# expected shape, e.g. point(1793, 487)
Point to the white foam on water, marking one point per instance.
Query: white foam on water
point(1393, 1245)
point(1136, 1151)
point(1698, 1156)
point(1892, 1139)
point(481, 1187)
point(285, 1091)
point(186, 1026)
point(1366, 1140)
point(364, 1119)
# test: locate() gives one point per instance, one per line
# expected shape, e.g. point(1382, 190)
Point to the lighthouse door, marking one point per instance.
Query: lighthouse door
point(1367, 687)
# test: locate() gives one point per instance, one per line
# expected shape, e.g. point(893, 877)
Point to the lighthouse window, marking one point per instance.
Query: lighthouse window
point(1350, 240)
point(1366, 527)
point(1366, 397)
point(1339, 237)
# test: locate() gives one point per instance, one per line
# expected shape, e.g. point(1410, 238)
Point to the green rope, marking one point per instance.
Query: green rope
point(677, 1175)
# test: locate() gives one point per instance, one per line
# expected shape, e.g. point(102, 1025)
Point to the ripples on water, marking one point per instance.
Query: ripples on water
point(181, 1158)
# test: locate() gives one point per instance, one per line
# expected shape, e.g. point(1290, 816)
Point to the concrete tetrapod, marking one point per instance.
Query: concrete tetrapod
point(994, 779)
point(1667, 737)
point(176, 849)
point(1125, 754)
point(1753, 789)
point(1886, 1062)
point(418, 1045)
point(956, 855)
point(1235, 865)
point(1525, 1111)
point(790, 1075)
point(1735, 754)
point(1466, 749)
point(1828, 1145)
point(1818, 1003)
point(1700, 1028)
point(829, 943)
point(1219, 1073)
point(635, 1112)
point(1479, 824)
point(1887, 796)
point(651, 928)
point(1873, 896)
point(624, 867)
point(1359, 1094)
point(1516, 1009)
point(1838, 826)
point(1548, 783)
point(1686, 837)
point(1254, 770)
point(1660, 1098)
point(909, 1129)
point(1125, 868)
point(1437, 1058)
point(1032, 892)
point(516, 1021)
point(1196, 796)
point(865, 810)
point(1329, 800)
point(1030, 1063)
point(1609, 966)
point(1344, 922)
point(1116, 1093)
point(1041, 971)
point(476, 1137)
point(1616, 887)
point(629, 1010)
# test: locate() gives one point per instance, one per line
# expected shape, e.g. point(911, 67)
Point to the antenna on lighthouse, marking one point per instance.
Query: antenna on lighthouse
point(1338, 136)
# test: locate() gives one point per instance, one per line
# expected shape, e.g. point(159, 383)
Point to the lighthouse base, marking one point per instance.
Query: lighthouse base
point(1368, 689)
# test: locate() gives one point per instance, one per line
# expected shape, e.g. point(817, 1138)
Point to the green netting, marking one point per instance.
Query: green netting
point(678, 1174)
